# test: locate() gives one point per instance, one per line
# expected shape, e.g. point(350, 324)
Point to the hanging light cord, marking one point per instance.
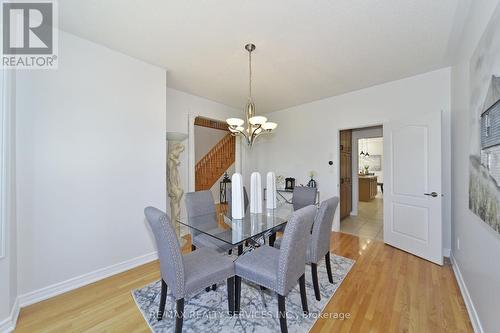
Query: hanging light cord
point(249, 75)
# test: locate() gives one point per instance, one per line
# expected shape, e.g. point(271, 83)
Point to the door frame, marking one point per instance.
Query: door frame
point(191, 177)
point(355, 177)
point(337, 149)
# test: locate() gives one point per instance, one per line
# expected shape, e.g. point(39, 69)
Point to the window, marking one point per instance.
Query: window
point(487, 124)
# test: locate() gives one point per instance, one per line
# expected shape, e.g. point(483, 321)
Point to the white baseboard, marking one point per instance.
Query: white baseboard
point(82, 280)
point(9, 324)
point(474, 318)
point(446, 252)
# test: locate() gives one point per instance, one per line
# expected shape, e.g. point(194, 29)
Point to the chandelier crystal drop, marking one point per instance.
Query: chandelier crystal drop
point(255, 125)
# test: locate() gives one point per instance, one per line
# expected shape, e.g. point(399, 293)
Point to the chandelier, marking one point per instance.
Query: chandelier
point(256, 125)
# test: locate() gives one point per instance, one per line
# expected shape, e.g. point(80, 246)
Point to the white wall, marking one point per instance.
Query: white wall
point(180, 105)
point(8, 250)
point(477, 257)
point(362, 133)
point(307, 135)
point(91, 155)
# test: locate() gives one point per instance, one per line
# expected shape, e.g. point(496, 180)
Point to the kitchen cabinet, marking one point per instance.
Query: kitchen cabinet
point(367, 188)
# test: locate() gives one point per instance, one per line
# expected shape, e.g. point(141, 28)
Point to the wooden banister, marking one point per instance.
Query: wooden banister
point(213, 165)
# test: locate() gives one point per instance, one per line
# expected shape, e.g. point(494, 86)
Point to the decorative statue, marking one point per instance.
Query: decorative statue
point(174, 187)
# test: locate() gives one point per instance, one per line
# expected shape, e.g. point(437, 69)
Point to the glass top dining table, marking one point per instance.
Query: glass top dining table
point(221, 226)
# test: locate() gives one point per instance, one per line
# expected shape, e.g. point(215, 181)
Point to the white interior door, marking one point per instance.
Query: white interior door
point(412, 186)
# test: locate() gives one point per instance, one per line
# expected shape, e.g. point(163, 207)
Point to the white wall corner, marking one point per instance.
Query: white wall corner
point(191, 153)
point(83, 280)
point(8, 324)
point(474, 318)
point(446, 252)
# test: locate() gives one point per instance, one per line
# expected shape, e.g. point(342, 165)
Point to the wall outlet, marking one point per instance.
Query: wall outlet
point(458, 243)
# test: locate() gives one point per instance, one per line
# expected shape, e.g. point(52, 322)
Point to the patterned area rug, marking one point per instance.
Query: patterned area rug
point(207, 311)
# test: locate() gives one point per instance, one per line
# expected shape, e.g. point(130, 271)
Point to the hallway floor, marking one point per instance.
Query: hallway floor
point(369, 223)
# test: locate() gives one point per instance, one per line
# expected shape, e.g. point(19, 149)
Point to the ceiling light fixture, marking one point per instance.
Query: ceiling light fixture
point(256, 125)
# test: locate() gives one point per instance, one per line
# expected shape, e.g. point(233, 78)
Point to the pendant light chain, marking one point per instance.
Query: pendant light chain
point(250, 75)
point(256, 125)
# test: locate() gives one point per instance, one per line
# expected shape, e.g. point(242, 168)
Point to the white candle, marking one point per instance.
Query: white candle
point(237, 204)
point(255, 193)
point(271, 190)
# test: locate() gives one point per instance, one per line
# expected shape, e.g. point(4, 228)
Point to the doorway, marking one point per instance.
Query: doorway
point(361, 182)
point(214, 152)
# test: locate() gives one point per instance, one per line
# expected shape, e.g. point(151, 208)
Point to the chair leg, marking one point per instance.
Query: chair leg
point(230, 295)
point(207, 289)
point(163, 299)
point(282, 313)
point(329, 267)
point(314, 272)
point(230, 252)
point(272, 239)
point(193, 247)
point(303, 295)
point(179, 315)
point(214, 287)
point(240, 249)
point(237, 294)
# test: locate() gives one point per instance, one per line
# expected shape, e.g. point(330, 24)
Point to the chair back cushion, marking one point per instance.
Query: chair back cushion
point(200, 208)
point(292, 259)
point(322, 229)
point(171, 264)
point(303, 196)
point(200, 203)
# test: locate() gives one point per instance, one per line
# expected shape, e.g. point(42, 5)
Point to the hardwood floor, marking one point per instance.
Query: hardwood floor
point(387, 290)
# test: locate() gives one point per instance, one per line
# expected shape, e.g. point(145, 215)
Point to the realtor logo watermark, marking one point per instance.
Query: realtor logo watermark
point(29, 34)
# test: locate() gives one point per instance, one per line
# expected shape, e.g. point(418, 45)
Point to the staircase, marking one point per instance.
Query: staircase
point(213, 165)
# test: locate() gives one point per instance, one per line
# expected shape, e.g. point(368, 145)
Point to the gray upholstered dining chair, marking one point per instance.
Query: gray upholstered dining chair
point(279, 270)
point(303, 196)
point(189, 273)
point(201, 203)
point(319, 241)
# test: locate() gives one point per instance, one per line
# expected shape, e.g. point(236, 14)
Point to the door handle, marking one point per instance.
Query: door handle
point(433, 194)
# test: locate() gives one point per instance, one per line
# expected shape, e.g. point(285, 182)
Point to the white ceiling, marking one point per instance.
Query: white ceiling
point(306, 49)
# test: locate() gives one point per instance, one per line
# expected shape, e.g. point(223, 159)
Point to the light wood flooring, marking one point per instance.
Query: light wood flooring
point(387, 290)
